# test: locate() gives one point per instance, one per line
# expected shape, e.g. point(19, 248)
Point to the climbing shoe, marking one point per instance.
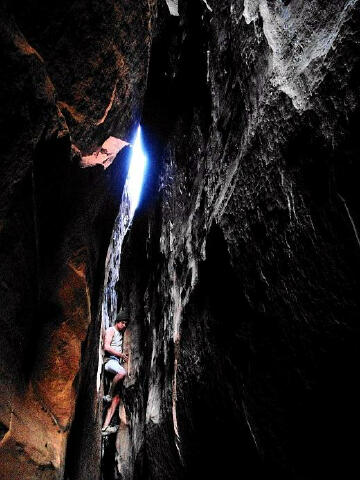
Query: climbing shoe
point(109, 430)
point(107, 398)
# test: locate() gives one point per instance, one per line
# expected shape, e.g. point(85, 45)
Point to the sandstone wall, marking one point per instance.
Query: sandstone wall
point(241, 267)
point(73, 74)
point(244, 289)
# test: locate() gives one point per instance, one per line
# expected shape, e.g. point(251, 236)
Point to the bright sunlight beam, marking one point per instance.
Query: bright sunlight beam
point(136, 171)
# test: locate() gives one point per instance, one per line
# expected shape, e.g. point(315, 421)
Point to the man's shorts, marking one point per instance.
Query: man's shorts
point(114, 367)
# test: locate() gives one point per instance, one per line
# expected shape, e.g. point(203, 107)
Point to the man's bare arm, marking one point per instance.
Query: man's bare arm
point(107, 347)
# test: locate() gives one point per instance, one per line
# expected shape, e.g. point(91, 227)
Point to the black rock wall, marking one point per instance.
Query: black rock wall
point(241, 267)
point(247, 293)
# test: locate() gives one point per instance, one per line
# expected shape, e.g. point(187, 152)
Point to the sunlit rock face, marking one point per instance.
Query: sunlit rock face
point(73, 76)
point(242, 269)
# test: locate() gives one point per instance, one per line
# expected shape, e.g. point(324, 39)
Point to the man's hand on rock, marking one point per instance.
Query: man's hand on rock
point(124, 357)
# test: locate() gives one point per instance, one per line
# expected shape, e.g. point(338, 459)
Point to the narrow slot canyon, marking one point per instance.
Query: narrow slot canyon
point(183, 174)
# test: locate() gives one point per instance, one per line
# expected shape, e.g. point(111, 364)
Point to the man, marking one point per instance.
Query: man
point(113, 350)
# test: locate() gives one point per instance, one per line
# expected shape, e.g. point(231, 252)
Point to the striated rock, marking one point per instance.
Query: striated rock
point(243, 274)
point(72, 77)
point(240, 269)
point(96, 56)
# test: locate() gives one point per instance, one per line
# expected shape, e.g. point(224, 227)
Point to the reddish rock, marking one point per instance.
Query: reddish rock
point(72, 76)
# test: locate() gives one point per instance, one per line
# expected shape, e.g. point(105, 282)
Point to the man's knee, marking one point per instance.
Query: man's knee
point(120, 375)
point(122, 372)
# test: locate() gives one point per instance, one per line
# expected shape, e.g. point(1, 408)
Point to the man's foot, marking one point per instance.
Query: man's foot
point(109, 430)
point(107, 398)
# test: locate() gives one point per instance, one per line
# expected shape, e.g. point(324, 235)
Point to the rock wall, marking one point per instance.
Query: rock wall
point(73, 75)
point(242, 267)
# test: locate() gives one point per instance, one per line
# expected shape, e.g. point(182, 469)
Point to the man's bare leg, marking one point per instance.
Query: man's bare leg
point(111, 410)
point(116, 379)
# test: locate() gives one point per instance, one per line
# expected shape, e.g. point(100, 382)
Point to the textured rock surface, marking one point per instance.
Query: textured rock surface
point(73, 74)
point(241, 270)
point(243, 279)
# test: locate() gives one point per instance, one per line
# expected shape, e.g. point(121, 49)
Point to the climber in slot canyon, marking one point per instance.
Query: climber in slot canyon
point(113, 350)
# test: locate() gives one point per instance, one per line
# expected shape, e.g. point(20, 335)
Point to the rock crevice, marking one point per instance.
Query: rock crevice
point(241, 267)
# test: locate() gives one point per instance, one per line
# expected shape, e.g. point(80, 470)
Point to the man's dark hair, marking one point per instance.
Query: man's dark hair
point(122, 316)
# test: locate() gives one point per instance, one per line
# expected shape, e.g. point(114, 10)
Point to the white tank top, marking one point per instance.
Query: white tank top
point(117, 340)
